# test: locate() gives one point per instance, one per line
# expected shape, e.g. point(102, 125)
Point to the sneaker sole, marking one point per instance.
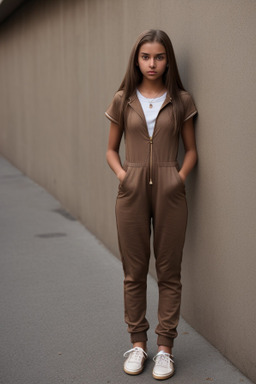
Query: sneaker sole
point(133, 373)
point(163, 377)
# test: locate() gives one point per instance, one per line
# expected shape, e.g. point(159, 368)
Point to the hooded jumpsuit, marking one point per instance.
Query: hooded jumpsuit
point(152, 191)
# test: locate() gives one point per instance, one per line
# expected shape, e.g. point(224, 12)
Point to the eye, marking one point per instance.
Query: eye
point(144, 57)
point(160, 57)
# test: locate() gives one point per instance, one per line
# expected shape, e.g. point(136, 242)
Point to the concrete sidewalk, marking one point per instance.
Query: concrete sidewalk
point(61, 319)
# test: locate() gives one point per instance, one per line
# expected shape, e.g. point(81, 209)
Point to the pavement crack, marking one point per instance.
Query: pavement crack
point(64, 213)
point(51, 235)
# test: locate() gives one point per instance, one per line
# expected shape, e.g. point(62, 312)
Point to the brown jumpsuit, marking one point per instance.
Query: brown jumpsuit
point(151, 190)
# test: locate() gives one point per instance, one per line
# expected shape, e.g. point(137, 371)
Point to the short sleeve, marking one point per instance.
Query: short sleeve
point(114, 109)
point(189, 106)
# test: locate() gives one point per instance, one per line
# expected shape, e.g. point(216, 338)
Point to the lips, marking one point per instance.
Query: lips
point(151, 72)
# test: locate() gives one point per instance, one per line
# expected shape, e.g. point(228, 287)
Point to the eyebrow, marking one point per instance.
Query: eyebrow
point(157, 54)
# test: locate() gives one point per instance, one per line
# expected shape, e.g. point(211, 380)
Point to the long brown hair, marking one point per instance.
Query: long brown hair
point(171, 78)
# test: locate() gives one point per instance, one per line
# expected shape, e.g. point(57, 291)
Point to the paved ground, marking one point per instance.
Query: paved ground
point(61, 317)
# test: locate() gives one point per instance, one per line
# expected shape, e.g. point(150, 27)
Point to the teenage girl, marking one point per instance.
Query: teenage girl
point(152, 109)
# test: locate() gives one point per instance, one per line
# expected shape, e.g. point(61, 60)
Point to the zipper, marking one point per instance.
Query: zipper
point(169, 100)
point(151, 160)
point(151, 145)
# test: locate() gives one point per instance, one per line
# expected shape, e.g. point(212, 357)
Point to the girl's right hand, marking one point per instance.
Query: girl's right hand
point(121, 175)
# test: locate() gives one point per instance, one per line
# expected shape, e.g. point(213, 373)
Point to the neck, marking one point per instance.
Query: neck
point(150, 88)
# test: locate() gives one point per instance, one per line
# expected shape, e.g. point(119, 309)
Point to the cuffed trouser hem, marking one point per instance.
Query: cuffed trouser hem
point(138, 337)
point(166, 341)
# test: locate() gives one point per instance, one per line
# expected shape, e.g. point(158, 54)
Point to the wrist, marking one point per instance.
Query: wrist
point(120, 173)
point(182, 175)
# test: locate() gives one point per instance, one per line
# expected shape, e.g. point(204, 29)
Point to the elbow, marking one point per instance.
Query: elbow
point(195, 157)
point(192, 155)
point(109, 155)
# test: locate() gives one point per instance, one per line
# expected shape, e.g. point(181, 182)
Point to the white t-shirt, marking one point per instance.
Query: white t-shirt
point(151, 113)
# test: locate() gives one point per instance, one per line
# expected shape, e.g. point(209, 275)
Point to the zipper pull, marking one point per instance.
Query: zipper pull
point(151, 161)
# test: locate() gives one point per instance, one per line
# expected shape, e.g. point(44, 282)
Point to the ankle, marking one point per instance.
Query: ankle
point(140, 344)
point(165, 349)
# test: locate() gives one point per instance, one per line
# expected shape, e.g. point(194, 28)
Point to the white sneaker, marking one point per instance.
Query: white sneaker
point(134, 364)
point(164, 366)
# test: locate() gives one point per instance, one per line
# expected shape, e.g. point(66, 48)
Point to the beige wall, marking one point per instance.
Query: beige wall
point(60, 64)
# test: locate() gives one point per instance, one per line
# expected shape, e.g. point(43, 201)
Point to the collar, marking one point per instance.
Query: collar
point(134, 98)
point(134, 102)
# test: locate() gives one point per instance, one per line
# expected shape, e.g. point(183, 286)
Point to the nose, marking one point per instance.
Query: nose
point(152, 63)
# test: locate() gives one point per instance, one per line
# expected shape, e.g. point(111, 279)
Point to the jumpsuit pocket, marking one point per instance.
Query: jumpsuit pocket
point(169, 179)
point(178, 177)
point(130, 187)
point(122, 183)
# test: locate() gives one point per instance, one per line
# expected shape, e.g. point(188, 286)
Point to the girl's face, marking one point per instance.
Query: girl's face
point(152, 60)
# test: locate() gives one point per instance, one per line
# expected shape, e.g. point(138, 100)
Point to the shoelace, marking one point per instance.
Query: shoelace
point(163, 359)
point(137, 353)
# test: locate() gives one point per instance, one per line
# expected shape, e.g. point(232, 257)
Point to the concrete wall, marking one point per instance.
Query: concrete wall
point(60, 64)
